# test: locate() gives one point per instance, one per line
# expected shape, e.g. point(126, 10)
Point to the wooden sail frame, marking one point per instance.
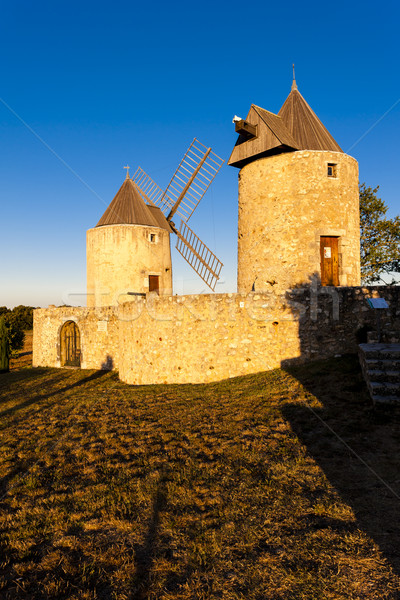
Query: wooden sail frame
point(150, 191)
point(191, 180)
point(198, 255)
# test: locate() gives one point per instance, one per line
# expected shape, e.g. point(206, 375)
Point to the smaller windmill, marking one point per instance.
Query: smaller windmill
point(191, 180)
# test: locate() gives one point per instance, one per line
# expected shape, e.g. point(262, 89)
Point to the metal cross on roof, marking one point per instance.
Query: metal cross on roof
point(127, 171)
point(294, 84)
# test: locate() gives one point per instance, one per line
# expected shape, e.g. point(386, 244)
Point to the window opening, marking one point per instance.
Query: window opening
point(332, 170)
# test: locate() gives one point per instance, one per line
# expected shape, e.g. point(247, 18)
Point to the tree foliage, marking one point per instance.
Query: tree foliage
point(24, 316)
point(15, 331)
point(380, 238)
point(16, 321)
point(4, 347)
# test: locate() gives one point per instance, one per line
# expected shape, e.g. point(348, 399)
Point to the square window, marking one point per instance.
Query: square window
point(332, 170)
point(152, 237)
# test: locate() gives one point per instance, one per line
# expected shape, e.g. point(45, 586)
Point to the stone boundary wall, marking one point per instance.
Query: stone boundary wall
point(98, 330)
point(199, 339)
point(212, 337)
point(336, 320)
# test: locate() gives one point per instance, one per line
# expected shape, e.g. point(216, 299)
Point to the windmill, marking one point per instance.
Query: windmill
point(187, 187)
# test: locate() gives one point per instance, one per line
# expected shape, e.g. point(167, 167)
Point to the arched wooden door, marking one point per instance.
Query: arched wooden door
point(70, 342)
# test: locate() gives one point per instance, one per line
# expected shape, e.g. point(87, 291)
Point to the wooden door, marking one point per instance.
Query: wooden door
point(329, 261)
point(154, 283)
point(70, 345)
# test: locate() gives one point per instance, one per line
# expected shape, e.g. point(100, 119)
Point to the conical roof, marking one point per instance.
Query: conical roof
point(128, 208)
point(304, 125)
point(295, 127)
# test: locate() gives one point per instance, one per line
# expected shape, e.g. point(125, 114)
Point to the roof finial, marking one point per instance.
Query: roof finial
point(294, 84)
point(127, 171)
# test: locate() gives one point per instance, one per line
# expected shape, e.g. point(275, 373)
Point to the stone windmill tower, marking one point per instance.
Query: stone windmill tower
point(128, 252)
point(298, 201)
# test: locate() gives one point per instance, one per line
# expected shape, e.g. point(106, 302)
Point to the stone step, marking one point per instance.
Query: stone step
point(384, 376)
point(377, 399)
point(382, 364)
point(382, 355)
point(380, 351)
point(384, 389)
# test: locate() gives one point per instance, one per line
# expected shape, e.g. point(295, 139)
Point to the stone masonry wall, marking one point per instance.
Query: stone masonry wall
point(120, 259)
point(204, 338)
point(192, 339)
point(335, 320)
point(98, 330)
point(286, 203)
point(211, 337)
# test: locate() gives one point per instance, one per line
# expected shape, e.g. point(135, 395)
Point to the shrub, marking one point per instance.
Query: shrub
point(15, 333)
point(4, 347)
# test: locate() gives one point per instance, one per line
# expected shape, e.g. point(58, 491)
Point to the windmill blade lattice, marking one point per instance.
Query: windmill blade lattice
point(191, 180)
point(199, 257)
point(151, 192)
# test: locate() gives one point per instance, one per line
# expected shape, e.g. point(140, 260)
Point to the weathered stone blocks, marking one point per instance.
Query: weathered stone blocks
point(286, 203)
point(195, 339)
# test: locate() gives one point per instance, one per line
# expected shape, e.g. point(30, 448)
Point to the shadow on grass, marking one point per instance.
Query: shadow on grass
point(356, 446)
point(38, 398)
point(146, 552)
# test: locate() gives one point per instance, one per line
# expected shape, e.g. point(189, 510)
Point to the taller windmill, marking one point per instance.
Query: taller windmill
point(128, 252)
point(298, 201)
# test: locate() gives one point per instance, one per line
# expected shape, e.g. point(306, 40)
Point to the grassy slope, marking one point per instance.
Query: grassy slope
point(238, 489)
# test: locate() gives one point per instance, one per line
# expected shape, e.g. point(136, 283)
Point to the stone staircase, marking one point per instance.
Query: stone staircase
point(380, 364)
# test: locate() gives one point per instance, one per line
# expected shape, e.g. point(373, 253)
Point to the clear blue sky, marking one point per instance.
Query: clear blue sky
point(110, 83)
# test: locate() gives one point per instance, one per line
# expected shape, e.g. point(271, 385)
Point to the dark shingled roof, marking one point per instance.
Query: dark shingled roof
point(272, 137)
point(159, 217)
point(304, 125)
point(295, 127)
point(277, 126)
point(128, 208)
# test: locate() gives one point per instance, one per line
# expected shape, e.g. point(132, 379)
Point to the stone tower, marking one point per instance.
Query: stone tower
point(128, 252)
point(298, 201)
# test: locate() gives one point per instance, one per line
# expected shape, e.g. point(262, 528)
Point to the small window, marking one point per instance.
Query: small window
point(153, 238)
point(332, 170)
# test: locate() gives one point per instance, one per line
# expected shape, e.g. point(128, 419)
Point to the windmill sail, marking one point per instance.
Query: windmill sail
point(188, 185)
point(191, 180)
point(151, 192)
point(199, 257)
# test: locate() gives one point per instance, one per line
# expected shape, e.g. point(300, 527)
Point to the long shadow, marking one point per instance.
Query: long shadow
point(19, 468)
point(24, 353)
point(31, 379)
point(39, 398)
point(147, 552)
point(357, 447)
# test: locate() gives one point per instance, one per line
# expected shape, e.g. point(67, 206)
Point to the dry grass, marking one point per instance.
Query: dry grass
point(234, 490)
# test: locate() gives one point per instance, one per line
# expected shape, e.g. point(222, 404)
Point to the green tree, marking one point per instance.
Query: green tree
point(4, 347)
point(15, 332)
point(380, 238)
point(24, 316)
